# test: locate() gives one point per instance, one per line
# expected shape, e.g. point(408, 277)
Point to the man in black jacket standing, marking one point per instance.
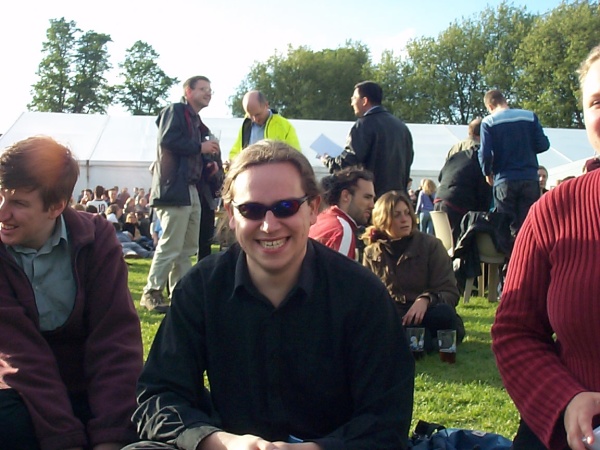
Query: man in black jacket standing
point(178, 169)
point(378, 141)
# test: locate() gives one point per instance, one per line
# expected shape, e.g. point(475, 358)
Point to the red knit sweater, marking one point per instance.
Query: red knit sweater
point(546, 336)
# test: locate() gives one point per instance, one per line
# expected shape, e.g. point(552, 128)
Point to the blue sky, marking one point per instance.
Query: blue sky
point(220, 39)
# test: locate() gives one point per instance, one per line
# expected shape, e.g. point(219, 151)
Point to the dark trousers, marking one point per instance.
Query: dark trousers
point(525, 439)
point(207, 230)
point(16, 427)
point(16, 431)
point(515, 198)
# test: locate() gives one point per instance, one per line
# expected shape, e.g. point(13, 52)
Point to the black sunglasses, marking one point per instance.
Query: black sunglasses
point(281, 209)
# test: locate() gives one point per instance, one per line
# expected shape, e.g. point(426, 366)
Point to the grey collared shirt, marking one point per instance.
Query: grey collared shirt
point(50, 273)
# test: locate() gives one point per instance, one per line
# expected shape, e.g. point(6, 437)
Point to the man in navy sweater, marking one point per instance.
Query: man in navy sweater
point(510, 142)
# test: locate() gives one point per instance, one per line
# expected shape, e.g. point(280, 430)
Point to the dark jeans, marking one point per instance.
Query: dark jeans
point(525, 439)
point(515, 198)
point(16, 430)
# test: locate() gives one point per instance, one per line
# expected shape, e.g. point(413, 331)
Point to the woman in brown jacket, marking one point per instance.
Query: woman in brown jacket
point(414, 266)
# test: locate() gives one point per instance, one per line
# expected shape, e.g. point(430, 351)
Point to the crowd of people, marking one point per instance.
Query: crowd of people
point(129, 214)
point(299, 326)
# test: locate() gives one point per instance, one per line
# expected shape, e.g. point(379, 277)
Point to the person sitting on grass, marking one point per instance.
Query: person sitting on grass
point(415, 268)
point(301, 346)
point(70, 339)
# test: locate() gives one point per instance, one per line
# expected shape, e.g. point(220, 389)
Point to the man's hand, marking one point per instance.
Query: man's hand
point(300, 446)
point(221, 440)
point(210, 147)
point(5, 369)
point(578, 418)
point(211, 169)
point(490, 179)
point(415, 314)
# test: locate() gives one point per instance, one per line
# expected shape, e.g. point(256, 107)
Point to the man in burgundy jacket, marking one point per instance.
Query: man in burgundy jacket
point(70, 341)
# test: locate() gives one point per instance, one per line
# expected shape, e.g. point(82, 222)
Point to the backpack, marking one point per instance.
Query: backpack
point(432, 436)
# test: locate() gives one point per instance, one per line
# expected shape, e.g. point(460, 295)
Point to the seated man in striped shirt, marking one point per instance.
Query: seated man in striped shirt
point(350, 194)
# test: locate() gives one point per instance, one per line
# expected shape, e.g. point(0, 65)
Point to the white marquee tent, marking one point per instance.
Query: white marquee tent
point(117, 150)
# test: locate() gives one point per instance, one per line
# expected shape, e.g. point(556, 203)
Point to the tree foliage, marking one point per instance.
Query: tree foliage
point(90, 91)
point(549, 56)
point(146, 86)
point(531, 58)
point(304, 84)
point(50, 93)
point(73, 74)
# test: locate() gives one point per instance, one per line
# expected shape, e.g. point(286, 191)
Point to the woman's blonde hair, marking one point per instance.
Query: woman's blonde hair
point(429, 186)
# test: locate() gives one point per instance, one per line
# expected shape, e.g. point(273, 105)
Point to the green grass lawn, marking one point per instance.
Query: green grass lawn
point(468, 394)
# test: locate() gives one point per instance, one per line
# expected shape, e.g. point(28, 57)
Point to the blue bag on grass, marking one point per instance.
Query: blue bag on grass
point(432, 436)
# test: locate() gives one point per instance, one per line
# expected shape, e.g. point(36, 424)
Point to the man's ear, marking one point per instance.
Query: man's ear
point(57, 209)
point(230, 218)
point(345, 195)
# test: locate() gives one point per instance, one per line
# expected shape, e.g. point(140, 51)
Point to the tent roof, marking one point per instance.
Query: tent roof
point(132, 139)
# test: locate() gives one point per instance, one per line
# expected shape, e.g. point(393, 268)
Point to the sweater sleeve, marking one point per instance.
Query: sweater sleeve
point(522, 338)
point(486, 151)
point(542, 143)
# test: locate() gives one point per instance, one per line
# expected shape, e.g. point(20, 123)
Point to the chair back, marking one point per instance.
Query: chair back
point(442, 230)
point(487, 249)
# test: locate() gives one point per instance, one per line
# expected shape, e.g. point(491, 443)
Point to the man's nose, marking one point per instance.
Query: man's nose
point(269, 223)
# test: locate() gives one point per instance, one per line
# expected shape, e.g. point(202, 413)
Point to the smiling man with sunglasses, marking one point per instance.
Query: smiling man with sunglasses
point(301, 345)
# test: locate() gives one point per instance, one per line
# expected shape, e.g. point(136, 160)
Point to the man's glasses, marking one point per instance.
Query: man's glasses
point(281, 209)
point(206, 90)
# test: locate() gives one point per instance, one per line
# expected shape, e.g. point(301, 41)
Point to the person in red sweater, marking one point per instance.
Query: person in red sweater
point(545, 336)
point(350, 194)
point(70, 340)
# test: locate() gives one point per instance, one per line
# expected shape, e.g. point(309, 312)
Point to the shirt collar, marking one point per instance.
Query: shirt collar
point(306, 280)
point(59, 234)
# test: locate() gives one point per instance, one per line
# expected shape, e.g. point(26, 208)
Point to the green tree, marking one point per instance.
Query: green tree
point(549, 57)
point(90, 92)
point(71, 74)
point(50, 93)
point(503, 32)
point(388, 74)
point(304, 84)
point(443, 76)
point(145, 88)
